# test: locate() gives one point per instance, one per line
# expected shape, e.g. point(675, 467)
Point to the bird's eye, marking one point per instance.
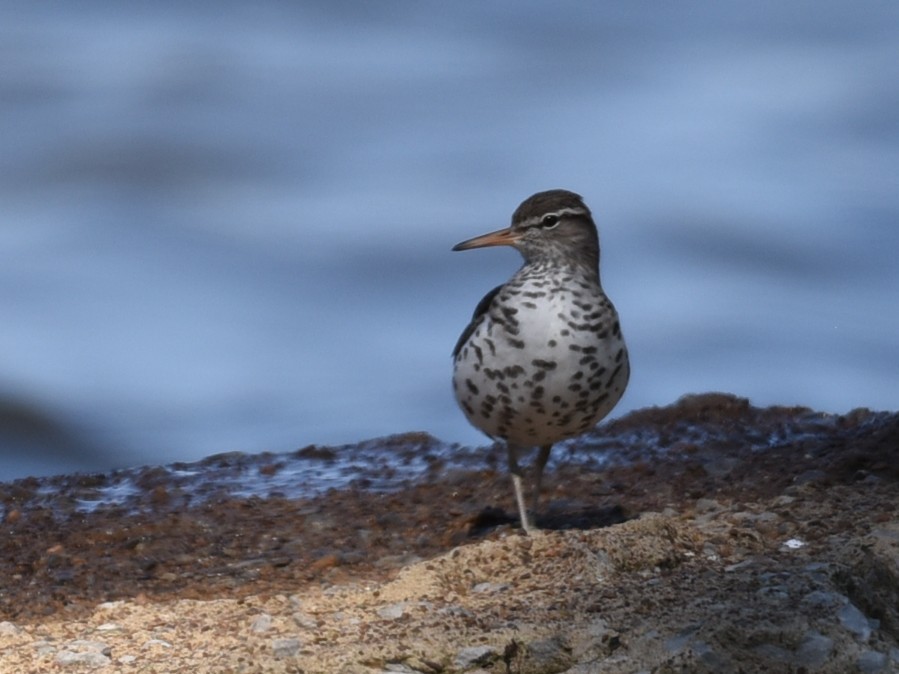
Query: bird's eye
point(549, 221)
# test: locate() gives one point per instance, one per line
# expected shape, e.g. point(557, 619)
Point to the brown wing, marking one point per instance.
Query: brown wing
point(478, 316)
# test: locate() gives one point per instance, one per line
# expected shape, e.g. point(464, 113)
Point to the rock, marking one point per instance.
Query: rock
point(84, 652)
point(474, 656)
point(157, 642)
point(110, 605)
point(8, 629)
point(285, 648)
point(392, 611)
point(706, 587)
point(43, 648)
point(549, 655)
point(261, 623)
point(69, 658)
point(871, 662)
point(814, 650)
point(399, 667)
point(876, 571)
point(108, 627)
point(821, 599)
point(490, 587)
point(855, 621)
point(304, 620)
point(707, 505)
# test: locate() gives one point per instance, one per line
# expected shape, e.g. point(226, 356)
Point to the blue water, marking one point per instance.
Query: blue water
point(229, 227)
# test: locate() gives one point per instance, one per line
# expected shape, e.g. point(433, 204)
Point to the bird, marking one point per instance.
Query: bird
point(543, 358)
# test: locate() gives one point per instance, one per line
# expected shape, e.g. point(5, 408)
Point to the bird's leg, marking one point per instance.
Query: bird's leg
point(515, 471)
point(539, 465)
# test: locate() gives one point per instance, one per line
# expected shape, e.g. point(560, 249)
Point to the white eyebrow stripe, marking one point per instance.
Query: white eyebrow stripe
point(531, 222)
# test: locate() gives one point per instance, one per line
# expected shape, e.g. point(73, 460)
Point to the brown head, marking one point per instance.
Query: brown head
point(553, 227)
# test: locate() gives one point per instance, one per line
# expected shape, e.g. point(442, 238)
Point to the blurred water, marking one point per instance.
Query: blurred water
point(228, 227)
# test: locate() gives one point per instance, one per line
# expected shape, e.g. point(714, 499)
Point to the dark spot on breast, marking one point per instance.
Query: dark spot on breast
point(471, 386)
point(513, 371)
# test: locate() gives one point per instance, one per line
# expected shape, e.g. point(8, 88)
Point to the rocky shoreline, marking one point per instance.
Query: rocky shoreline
point(705, 536)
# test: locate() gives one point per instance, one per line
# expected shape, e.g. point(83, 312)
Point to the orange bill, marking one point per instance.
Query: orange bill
point(501, 237)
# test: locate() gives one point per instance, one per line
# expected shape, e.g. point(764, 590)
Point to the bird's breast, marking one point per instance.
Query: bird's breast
point(547, 361)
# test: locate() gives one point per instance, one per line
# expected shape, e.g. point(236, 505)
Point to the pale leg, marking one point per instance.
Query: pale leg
point(539, 465)
point(515, 471)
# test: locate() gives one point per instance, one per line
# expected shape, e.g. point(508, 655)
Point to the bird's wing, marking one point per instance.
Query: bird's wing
point(479, 312)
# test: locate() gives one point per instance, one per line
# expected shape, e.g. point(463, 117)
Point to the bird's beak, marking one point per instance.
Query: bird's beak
point(501, 237)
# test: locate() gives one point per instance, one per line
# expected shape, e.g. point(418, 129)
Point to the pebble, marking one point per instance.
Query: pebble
point(730, 568)
point(285, 648)
point(392, 611)
point(455, 610)
point(304, 620)
point(705, 505)
point(43, 648)
point(8, 629)
point(820, 598)
point(399, 667)
point(549, 655)
point(91, 659)
point(472, 656)
point(84, 652)
point(108, 627)
point(855, 621)
point(814, 650)
point(110, 605)
point(871, 662)
point(490, 587)
point(261, 623)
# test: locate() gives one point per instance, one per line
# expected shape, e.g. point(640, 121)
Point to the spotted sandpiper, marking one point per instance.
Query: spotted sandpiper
point(543, 358)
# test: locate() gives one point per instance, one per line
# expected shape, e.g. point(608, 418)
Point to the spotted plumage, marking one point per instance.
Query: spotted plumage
point(543, 358)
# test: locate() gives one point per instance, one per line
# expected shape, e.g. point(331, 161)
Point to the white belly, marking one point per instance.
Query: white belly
point(549, 371)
